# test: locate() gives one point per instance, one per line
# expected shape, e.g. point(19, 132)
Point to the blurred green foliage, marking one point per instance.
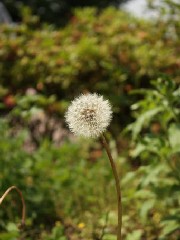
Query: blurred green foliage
point(69, 188)
point(57, 183)
point(111, 53)
point(56, 12)
point(156, 146)
point(60, 183)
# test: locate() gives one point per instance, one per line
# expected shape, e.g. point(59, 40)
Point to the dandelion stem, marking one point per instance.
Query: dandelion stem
point(118, 188)
point(22, 200)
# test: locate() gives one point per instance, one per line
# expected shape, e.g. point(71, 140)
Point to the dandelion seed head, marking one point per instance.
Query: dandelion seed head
point(89, 115)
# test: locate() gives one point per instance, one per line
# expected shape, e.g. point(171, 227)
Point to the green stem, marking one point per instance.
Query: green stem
point(118, 188)
point(22, 200)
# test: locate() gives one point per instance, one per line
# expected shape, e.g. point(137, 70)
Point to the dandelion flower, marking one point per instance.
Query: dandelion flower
point(89, 115)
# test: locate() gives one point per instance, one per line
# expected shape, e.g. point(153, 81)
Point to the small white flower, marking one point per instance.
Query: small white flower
point(89, 115)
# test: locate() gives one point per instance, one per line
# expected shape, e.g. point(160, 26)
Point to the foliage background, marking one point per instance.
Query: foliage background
point(132, 62)
point(56, 12)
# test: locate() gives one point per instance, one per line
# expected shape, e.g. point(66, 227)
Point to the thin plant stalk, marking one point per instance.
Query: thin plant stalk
point(118, 187)
point(22, 200)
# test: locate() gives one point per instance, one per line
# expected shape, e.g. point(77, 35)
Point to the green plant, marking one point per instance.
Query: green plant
point(56, 12)
point(57, 184)
point(156, 145)
point(103, 53)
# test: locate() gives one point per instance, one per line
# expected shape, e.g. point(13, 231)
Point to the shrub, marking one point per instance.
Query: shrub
point(110, 53)
point(156, 147)
point(56, 12)
point(59, 186)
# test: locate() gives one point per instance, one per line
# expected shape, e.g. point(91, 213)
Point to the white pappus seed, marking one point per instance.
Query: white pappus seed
point(89, 115)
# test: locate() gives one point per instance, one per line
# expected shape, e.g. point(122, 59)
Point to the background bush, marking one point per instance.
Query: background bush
point(111, 53)
point(56, 12)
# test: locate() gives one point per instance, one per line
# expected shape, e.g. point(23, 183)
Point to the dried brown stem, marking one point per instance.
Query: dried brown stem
point(22, 200)
point(118, 188)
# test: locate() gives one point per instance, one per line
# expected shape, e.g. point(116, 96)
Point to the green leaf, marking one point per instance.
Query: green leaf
point(143, 119)
point(174, 136)
point(138, 150)
point(109, 237)
point(11, 227)
point(135, 235)
point(169, 227)
point(146, 206)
